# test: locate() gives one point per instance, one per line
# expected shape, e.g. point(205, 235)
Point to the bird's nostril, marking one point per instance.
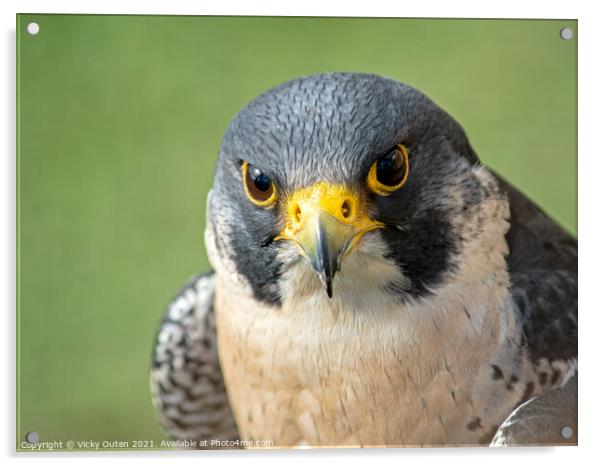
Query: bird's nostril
point(297, 214)
point(346, 209)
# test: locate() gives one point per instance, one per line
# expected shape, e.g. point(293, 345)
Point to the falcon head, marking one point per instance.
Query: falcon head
point(343, 183)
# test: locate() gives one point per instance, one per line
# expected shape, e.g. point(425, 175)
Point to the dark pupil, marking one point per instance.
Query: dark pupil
point(261, 181)
point(390, 169)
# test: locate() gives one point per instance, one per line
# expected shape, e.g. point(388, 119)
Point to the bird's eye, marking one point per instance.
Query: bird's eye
point(389, 173)
point(259, 187)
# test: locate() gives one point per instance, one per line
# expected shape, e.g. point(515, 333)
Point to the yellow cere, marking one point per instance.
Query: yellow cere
point(336, 201)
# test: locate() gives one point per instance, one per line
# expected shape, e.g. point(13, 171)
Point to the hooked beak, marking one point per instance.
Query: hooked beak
point(326, 222)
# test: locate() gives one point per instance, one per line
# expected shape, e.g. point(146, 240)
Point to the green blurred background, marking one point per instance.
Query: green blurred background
point(119, 121)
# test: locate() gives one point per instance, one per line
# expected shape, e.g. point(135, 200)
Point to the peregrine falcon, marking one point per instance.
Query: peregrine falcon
point(374, 284)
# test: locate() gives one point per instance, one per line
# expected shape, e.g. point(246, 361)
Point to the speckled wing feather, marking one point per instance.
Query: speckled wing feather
point(548, 419)
point(186, 379)
point(543, 272)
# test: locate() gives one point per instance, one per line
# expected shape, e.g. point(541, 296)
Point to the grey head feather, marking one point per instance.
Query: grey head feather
point(332, 126)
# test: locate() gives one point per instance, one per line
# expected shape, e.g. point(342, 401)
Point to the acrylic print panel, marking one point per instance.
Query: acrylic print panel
point(370, 279)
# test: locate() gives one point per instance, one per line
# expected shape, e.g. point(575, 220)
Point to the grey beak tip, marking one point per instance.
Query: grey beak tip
point(329, 288)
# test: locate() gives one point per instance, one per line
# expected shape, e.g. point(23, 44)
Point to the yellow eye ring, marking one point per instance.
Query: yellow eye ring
point(390, 172)
point(259, 188)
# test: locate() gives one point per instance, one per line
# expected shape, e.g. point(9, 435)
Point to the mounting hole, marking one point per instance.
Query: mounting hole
point(32, 437)
point(566, 33)
point(33, 28)
point(566, 432)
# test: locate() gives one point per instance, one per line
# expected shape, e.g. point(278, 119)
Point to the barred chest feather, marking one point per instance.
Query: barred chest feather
point(341, 380)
